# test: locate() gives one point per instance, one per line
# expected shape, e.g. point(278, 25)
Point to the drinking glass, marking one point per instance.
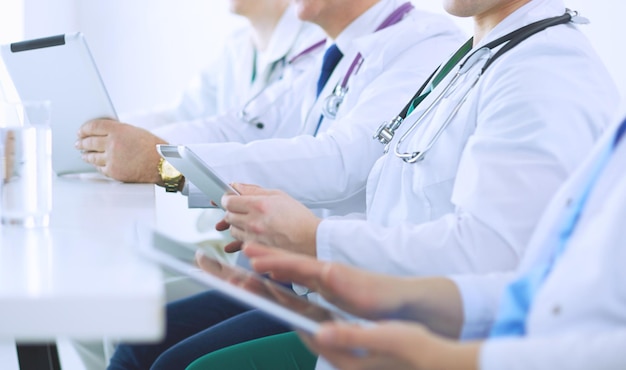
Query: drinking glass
point(26, 149)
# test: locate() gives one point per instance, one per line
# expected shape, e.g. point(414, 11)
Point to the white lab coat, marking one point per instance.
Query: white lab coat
point(473, 202)
point(578, 318)
point(334, 165)
point(227, 82)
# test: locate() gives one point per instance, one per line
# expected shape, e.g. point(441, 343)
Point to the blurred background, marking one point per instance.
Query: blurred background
point(148, 50)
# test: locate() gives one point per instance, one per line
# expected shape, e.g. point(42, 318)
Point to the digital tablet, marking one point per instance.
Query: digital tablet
point(196, 171)
point(60, 69)
point(245, 286)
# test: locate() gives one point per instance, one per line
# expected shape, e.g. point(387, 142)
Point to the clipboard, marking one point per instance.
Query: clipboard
point(62, 70)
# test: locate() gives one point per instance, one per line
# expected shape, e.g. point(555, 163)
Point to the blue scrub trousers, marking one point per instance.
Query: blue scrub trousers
point(195, 326)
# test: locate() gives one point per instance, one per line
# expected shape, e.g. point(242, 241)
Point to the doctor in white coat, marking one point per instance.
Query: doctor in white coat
point(471, 204)
point(575, 316)
point(253, 57)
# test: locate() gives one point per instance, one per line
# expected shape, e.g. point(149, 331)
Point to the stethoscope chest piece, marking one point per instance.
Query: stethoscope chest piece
point(333, 102)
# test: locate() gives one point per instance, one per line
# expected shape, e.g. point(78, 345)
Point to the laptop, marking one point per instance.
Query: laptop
point(60, 69)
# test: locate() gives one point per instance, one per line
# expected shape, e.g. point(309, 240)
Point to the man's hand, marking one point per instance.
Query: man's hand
point(270, 217)
point(124, 152)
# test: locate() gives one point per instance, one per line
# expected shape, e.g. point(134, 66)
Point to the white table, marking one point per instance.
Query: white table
point(80, 278)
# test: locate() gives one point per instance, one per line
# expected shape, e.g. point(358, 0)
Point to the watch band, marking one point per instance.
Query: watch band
point(170, 176)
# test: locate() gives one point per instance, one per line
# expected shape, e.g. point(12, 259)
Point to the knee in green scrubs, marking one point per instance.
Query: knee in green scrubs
point(283, 351)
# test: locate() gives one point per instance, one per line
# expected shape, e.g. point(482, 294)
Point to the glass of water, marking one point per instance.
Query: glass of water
point(25, 149)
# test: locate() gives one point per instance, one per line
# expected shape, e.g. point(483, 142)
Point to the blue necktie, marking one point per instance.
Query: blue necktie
point(519, 295)
point(332, 56)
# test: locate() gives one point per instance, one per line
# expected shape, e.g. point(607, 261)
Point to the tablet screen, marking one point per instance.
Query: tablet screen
point(242, 285)
point(62, 70)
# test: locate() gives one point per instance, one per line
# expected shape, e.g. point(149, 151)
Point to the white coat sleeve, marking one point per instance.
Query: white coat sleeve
point(457, 243)
point(604, 349)
point(481, 296)
point(332, 166)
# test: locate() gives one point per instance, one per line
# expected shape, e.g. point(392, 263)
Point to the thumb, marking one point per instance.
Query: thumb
point(388, 338)
point(249, 189)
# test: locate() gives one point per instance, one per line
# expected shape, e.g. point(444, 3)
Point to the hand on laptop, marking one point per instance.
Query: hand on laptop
point(123, 152)
point(270, 217)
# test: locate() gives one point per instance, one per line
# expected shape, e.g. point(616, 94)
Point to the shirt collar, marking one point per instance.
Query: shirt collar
point(365, 24)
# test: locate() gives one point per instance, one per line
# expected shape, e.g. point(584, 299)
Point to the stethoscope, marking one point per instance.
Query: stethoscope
point(387, 129)
point(333, 101)
point(255, 120)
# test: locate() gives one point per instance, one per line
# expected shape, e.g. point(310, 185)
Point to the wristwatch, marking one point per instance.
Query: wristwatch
point(170, 176)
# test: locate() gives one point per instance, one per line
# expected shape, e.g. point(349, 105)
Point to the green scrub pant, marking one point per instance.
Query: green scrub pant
point(282, 351)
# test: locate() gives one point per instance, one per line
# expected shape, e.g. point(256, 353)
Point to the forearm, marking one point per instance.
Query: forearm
point(453, 355)
point(434, 302)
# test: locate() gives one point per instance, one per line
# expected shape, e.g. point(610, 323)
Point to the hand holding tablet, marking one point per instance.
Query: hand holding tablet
point(239, 284)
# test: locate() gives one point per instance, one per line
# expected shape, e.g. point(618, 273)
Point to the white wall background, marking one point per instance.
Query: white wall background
point(147, 50)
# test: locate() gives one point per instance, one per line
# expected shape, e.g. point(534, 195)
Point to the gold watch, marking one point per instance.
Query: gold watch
point(170, 176)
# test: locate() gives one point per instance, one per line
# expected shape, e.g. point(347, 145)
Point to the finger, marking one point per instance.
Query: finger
point(91, 144)
point(240, 225)
point(233, 246)
point(208, 264)
point(222, 225)
point(96, 127)
point(94, 158)
point(237, 234)
point(259, 250)
point(239, 203)
point(384, 338)
point(249, 189)
point(200, 259)
point(287, 266)
point(341, 359)
point(246, 189)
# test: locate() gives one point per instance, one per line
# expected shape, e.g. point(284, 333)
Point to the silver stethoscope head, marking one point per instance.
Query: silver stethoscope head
point(334, 101)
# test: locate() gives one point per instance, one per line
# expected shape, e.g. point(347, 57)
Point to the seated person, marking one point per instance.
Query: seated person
point(564, 308)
